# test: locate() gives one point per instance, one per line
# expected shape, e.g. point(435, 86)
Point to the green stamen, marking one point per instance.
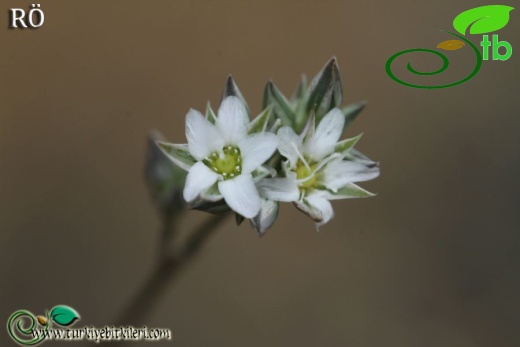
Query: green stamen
point(303, 173)
point(227, 162)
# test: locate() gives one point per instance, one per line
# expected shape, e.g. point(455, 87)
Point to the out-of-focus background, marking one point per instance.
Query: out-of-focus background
point(433, 260)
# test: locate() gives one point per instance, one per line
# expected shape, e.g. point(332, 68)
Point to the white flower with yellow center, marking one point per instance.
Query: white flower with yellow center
point(317, 168)
point(224, 154)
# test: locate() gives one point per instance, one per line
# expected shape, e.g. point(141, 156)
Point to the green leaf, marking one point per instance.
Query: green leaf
point(64, 315)
point(326, 90)
point(210, 114)
point(259, 124)
point(350, 191)
point(482, 20)
point(281, 107)
point(231, 89)
point(346, 145)
point(178, 153)
point(352, 111)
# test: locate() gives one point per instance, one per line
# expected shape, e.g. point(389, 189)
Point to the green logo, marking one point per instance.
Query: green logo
point(22, 323)
point(479, 20)
point(26, 329)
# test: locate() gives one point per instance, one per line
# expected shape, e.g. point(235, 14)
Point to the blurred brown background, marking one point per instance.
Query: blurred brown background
point(433, 260)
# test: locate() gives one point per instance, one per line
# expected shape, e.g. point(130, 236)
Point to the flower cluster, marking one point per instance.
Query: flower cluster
point(291, 152)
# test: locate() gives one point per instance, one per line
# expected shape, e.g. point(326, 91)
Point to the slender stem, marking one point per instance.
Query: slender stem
point(168, 234)
point(168, 267)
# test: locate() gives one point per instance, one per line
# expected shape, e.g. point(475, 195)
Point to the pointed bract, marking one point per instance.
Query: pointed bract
point(231, 89)
point(266, 217)
point(326, 90)
point(281, 106)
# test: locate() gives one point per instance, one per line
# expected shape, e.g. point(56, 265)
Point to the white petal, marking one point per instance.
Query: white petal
point(199, 178)
point(289, 145)
point(279, 189)
point(256, 149)
point(328, 132)
point(310, 128)
point(338, 173)
point(203, 137)
point(241, 195)
point(232, 120)
point(322, 205)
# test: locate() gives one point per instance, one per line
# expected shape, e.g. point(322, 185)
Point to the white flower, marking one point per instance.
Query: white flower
point(226, 154)
point(316, 170)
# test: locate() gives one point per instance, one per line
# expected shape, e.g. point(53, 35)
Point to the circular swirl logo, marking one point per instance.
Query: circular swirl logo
point(479, 20)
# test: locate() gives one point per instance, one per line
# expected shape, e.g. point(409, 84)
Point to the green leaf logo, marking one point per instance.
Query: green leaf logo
point(482, 20)
point(64, 315)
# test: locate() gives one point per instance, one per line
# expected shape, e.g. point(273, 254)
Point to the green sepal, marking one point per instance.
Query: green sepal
point(210, 206)
point(326, 90)
point(351, 112)
point(349, 191)
point(178, 153)
point(231, 89)
point(281, 106)
point(345, 145)
point(259, 124)
point(266, 217)
point(164, 179)
point(356, 155)
point(309, 210)
point(301, 90)
point(239, 219)
point(210, 114)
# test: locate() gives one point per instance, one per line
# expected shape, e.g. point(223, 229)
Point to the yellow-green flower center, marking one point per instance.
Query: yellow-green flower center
point(227, 162)
point(304, 173)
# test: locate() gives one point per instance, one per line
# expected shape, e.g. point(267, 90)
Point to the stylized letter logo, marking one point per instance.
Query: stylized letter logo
point(479, 20)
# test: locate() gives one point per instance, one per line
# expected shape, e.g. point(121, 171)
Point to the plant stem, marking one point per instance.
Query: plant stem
point(168, 267)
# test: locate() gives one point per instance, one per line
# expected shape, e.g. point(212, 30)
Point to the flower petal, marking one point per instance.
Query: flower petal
point(199, 178)
point(256, 149)
point(338, 173)
point(232, 120)
point(279, 189)
point(310, 128)
point(322, 205)
point(290, 144)
point(328, 132)
point(241, 195)
point(203, 137)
